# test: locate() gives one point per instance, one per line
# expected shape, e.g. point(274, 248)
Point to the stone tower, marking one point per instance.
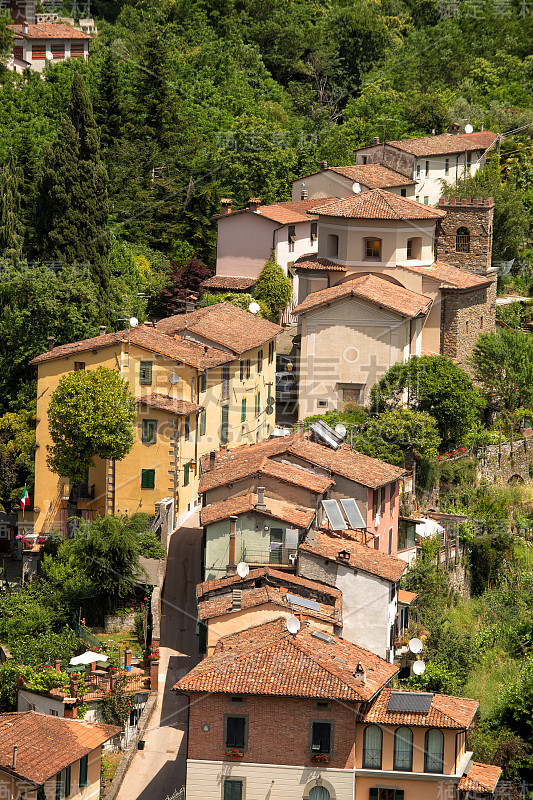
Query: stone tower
point(464, 235)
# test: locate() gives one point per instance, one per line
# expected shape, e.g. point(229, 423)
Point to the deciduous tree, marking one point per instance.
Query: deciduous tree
point(503, 364)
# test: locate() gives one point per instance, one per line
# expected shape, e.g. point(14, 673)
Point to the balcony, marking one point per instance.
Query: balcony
point(280, 556)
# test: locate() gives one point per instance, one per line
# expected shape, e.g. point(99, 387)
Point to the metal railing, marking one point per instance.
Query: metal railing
point(261, 555)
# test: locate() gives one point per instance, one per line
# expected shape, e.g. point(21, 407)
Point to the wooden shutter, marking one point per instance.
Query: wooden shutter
point(38, 52)
point(58, 50)
point(235, 731)
point(18, 52)
point(224, 426)
point(373, 794)
point(77, 50)
point(232, 790)
point(203, 420)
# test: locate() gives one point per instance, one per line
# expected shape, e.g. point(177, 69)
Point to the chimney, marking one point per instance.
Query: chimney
point(254, 203)
point(323, 165)
point(70, 712)
point(212, 459)
point(260, 498)
point(360, 672)
point(102, 330)
point(303, 193)
point(482, 126)
point(15, 749)
point(433, 132)
point(231, 568)
point(300, 426)
point(57, 665)
point(24, 27)
point(51, 342)
point(225, 206)
point(375, 140)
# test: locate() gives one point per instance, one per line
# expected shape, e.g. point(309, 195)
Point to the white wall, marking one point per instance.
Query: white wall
point(431, 186)
point(367, 613)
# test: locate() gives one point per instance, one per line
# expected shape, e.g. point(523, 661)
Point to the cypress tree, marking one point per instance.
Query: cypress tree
point(108, 108)
point(11, 225)
point(73, 204)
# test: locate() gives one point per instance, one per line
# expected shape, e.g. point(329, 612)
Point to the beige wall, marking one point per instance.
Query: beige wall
point(330, 184)
point(274, 488)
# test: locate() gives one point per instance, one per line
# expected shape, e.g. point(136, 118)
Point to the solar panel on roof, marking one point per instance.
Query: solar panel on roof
point(312, 605)
point(334, 514)
point(322, 636)
point(410, 702)
point(353, 514)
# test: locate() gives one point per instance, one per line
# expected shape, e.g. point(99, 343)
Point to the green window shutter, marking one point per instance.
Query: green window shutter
point(260, 361)
point(186, 470)
point(67, 781)
point(398, 794)
point(203, 382)
point(248, 367)
point(41, 793)
point(149, 431)
point(146, 373)
point(84, 764)
point(224, 432)
point(257, 403)
point(187, 429)
point(232, 790)
point(148, 479)
point(242, 370)
point(269, 389)
point(243, 409)
point(202, 638)
point(373, 794)
point(203, 421)
point(58, 786)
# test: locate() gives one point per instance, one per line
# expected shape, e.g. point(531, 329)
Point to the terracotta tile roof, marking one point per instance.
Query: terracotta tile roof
point(445, 712)
point(288, 212)
point(446, 143)
point(375, 176)
point(174, 347)
point(230, 282)
point(165, 403)
point(268, 660)
point(224, 324)
point(54, 31)
point(480, 778)
point(373, 289)
point(268, 573)
point(406, 598)
point(378, 204)
point(367, 471)
point(277, 509)
point(364, 558)
point(220, 605)
point(449, 277)
point(47, 744)
point(312, 261)
point(287, 473)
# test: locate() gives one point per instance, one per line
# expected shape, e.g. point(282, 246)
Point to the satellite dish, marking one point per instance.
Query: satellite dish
point(469, 128)
point(340, 430)
point(415, 646)
point(356, 188)
point(293, 625)
point(173, 378)
point(419, 667)
point(243, 569)
point(133, 322)
point(254, 308)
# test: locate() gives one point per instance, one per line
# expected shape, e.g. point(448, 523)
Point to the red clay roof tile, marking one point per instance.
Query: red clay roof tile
point(277, 509)
point(375, 176)
point(378, 204)
point(54, 31)
point(448, 276)
point(361, 557)
point(445, 712)
point(405, 597)
point(210, 607)
point(480, 778)
point(229, 282)
point(266, 573)
point(312, 261)
point(446, 143)
point(165, 403)
point(287, 473)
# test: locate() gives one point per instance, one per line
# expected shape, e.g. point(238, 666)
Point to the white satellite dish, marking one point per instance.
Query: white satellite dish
point(293, 625)
point(173, 378)
point(356, 188)
point(419, 667)
point(243, 569)
point(415, 646)
point(469, 128)
point(133, 322)
point(340, 430)
point(254, 308)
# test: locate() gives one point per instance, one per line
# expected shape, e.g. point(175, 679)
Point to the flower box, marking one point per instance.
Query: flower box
point(323, 757)
point(234, 754)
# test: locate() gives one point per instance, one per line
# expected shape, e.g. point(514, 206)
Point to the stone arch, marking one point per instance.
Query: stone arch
point(516, 478)
point(462, 240)
point(319, 781)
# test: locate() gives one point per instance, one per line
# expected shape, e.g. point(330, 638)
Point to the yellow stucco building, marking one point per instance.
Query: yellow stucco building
point(202, 380)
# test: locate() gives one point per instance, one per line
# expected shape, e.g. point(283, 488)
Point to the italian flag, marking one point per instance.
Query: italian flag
point(24, 498)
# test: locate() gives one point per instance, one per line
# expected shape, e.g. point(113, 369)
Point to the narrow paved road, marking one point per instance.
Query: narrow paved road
point(159, 769)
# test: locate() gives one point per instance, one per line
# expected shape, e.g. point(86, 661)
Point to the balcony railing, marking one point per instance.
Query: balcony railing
point(273, 555)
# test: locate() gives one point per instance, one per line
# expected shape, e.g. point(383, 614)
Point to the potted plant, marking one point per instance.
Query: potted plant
point(234, 753)
point(323, 757)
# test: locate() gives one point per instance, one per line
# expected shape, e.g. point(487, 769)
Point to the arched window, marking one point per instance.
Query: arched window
point(462, 240)
point(319, 793)
point(372, 747)
point(434, 751)
point(403, 749)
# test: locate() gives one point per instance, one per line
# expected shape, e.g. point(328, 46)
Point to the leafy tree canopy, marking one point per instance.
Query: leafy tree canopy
point(503, 364)
point(273, 288)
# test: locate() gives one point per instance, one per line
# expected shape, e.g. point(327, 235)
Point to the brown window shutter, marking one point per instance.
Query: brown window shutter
point(77, 50)
point(58, 49)
point(38, 52)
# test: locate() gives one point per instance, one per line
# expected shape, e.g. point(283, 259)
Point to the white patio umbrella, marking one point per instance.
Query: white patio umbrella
point(87, 658)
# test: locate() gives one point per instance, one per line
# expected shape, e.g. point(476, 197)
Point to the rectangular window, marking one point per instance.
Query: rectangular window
point(385, 794)
point(148, 479)
point(417, 198)
point(149, 434)
point(376, 542)
point(59, 787)
point(418, 170)
point(84, 763)
point(145, 373)
point(54, 713)
point(202, 383)
point(314, 231)
point(225, 382)
point(447, 166)
point(270, 352)
point(67, 781)
point(79, 365)
point(203, 421)
point(468, 161)
point(243, 409)
point(18, 52)
point(427, 169)
point(38, 52)
point(233, 789)
point(364, 159)
point(372, 248)
point(259, 360)
point(248, 367)
point(321, 738)
point(224, 429)
point(77, 50)
point(187, 429)
point(481, 323)
point(257, 403)
point(291, 237)
point(236, 732)
point(242, 368)
point(403, 192)
point(426, 200)
point(58, 50)
point(186, 473)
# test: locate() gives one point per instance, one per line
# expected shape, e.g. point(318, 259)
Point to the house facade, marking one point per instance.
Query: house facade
point(346, 181)
point(45, 757)
point(36, 45)
point(431, 160)
point(201, 380)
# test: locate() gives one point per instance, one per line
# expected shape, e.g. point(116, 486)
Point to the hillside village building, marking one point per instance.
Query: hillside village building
point(37, 44)
point(201, 380)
